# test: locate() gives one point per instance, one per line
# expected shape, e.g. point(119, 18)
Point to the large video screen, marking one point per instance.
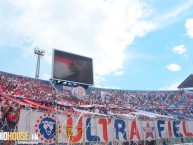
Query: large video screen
point(72, 68)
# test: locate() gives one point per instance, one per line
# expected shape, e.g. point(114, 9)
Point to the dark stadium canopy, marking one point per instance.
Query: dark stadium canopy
point(187, 83)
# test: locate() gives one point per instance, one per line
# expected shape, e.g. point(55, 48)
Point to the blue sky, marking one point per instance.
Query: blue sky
point(135, 44)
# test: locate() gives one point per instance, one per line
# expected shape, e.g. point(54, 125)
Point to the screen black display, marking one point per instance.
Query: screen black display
point(72, 68)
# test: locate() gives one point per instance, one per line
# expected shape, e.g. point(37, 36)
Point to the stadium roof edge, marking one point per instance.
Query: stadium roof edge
point(187, 83)
point(94, 87)
point(123, 90)
point(31, 78)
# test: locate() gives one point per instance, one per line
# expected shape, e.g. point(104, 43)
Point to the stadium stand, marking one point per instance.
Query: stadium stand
point(42, 95)
point(17, 92)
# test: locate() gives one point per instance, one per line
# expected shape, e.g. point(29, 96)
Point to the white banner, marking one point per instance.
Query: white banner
point(57, 128)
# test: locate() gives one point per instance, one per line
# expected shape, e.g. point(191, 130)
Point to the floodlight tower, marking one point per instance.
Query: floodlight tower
point(40, 53)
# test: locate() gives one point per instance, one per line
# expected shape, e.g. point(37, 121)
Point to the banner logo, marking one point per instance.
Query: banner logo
point(79, 92)
point(46, 128)
point(149, 131)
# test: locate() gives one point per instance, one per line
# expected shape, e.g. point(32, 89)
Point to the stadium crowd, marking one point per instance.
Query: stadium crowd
point(97, 100)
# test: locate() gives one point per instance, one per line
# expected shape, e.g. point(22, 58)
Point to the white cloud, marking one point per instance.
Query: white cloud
point(107, 87)
point(173, 14)
point(98, 80)
point(119, 73)
point(189, 27)
point(180, 49)
point(172, 86)
point(111, 87)
point(173, 67)
point(46, 76)
point(99, 29)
